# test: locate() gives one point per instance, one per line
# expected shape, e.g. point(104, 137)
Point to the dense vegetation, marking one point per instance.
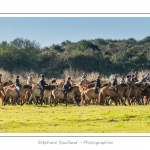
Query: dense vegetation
point(98, 55)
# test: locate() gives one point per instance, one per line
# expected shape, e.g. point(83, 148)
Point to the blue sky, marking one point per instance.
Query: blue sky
point(54, 30)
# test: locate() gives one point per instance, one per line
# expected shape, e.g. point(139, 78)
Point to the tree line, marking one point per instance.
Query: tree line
point(97, 55)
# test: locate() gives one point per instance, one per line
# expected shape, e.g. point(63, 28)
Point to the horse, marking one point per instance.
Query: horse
point(137, 92)
point(107, 92)
point(7, 83)
point(2, 94)
point(72, 93)
point(88, 95)
point(12, 93)
point(12, 86)
point(46, 94)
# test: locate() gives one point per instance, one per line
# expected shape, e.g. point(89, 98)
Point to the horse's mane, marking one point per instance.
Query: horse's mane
point(123, 85)
point(105, 84)
point(5, 83)
point(27, 86)
point(50, 87)
point(138, 84)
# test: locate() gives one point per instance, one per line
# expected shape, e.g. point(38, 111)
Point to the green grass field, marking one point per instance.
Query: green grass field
point(74, 119)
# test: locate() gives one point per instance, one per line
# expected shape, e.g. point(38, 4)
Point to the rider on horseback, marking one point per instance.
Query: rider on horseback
point(122, 81)
point(53, 79)
point(113, 81)
point(29, 80)
point(148, 77)
point(132, 79)
point(136, 77)
point(143, 78)
point(42, 83)
point(66, 87)
point(97, 85)
point(83, 76)
point(18, 85)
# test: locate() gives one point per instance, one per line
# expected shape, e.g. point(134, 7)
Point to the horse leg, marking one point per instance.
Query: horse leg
point(41, 100)
point(123, 101)
point(4, 101)
point(100, 100)
point(82, 98)
point(23, 101)
point(107, 101)
point(66, 100)
point(20, 100)
point(75, 101)
point(30, 99)
point(129, 102)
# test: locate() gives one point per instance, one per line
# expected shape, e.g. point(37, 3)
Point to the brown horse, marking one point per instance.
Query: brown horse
point(46, 94)
point(106, 91)
point(12, 93)
point(73, 92)
point(3, 87)
point(2, 94)
point(136, 94)
point(7, 83)
point(88, 95)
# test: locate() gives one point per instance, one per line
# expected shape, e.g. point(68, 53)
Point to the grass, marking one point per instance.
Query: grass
point(73, 119)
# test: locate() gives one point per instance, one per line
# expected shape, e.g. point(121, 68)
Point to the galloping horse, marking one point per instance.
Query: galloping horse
point(3, 87)
point(88, 95)
point(106, 91)
point(46, 94)
point(7, 83)
point(59, 95)
point(11, 92)
point(136, 92)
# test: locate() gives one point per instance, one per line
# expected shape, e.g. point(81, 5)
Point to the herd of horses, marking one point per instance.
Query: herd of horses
point(82, 93)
